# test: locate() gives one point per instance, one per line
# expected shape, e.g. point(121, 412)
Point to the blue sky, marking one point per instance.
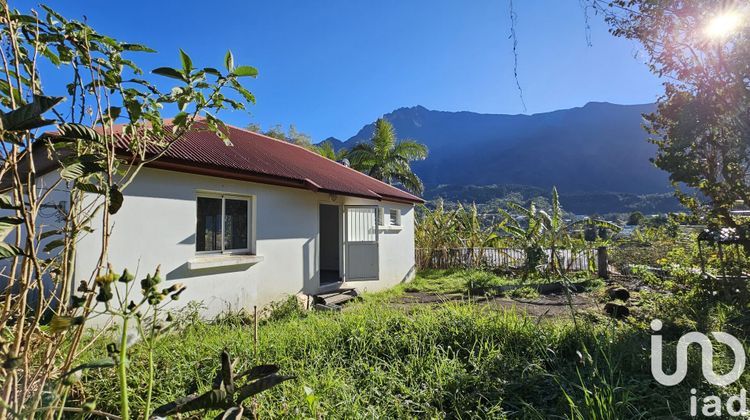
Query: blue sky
point(331, 66)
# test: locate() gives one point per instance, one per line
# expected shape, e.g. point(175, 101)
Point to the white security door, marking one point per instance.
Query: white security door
point(361, 243)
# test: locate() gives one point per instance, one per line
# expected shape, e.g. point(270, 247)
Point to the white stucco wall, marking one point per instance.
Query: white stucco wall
point(157, 223)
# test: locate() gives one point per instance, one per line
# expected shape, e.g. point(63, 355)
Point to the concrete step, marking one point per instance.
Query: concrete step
point(336, 297)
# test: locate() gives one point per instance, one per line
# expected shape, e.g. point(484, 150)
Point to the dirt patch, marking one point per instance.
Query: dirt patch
point(543, 306)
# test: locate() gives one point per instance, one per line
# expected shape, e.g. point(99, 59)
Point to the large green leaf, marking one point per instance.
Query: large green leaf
point(5, 88)
point(49, 233)
point(169, 72)
point(89, 188)
point(211, 70)
point(245, 71)
point(84, 166)
point(74, 131)
point(137, 47)
point(245, 93)
point(9, 251)
point(187, 63)
point(9, 221)
point(29, 116)
point(229, 61)
point(6, 204)
point(7, 224)
point(52, 245)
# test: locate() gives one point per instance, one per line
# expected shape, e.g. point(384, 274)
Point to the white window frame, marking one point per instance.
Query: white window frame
point(250, 250)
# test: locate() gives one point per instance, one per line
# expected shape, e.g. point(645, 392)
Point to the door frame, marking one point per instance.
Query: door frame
point(342, 279)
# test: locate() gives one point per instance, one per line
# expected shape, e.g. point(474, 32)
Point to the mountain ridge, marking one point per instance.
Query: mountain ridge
point(598, 147)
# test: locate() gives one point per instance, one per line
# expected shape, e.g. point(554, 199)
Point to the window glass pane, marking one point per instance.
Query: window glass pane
point(394, 217)
point(235, 224)
point(208, 232)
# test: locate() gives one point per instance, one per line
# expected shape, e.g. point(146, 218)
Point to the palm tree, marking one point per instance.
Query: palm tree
point(326, 150)
point(387, 159)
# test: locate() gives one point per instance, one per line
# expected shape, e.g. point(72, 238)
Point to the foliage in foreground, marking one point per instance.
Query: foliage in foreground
point(454, 360)
point(109, 128)
point(700, 126)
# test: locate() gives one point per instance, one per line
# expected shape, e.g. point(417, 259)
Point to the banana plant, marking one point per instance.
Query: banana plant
point(436, 230)
point(473, 234)
point(560, 234)
point(529, 236)
point(547, 230)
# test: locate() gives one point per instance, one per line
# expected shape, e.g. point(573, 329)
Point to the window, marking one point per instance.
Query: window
point(395, 217)
point(223, 224)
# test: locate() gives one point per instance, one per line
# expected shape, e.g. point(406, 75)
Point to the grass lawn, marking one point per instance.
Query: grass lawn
point(454, 360)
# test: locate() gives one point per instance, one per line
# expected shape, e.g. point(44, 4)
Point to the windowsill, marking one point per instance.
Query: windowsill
point(222, 260)
point(390, 228)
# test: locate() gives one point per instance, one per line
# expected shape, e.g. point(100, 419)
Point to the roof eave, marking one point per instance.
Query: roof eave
point(173, 165)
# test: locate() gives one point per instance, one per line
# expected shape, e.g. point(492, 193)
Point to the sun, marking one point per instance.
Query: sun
point(724, 24)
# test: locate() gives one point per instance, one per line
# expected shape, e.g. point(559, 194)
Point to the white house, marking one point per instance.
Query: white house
point(254, 222)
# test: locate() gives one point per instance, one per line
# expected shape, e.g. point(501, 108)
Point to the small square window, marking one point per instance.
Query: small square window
point(223, 224)
point(395, 217)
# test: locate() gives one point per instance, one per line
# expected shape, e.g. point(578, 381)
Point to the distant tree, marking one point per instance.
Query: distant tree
point(635, 218)
point(388, 159)
point(254, 127)
point(326, 150)
point(702, 49)
point(299, 138)
point(292, 135)
point(277, 132)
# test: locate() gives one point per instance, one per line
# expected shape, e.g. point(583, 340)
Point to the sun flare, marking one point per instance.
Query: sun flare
point(724, 24)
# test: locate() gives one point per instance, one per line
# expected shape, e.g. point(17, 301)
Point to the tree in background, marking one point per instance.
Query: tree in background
point(387, 159)
point(702, 49)
point(635, 218)
point(292, 135)
point(326, 150)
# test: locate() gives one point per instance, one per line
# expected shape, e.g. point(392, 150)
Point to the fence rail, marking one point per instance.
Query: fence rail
point(501, 258)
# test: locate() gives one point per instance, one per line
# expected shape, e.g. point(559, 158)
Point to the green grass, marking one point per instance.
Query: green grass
point(454, 281)
point(477, 283)
point(454, 360)
point(374, 361)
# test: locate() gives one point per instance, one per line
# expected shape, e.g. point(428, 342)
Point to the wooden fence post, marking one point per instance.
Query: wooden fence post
point(255, 332)
point(602, 263)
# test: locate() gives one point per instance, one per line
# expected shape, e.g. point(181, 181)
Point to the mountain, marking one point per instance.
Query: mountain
point(336, 143)
point(595, 148)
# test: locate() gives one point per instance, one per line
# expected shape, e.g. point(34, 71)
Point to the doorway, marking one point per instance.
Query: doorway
point(330, 249)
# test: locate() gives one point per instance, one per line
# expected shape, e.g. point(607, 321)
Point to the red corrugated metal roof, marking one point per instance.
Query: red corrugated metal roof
point(273, 161)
